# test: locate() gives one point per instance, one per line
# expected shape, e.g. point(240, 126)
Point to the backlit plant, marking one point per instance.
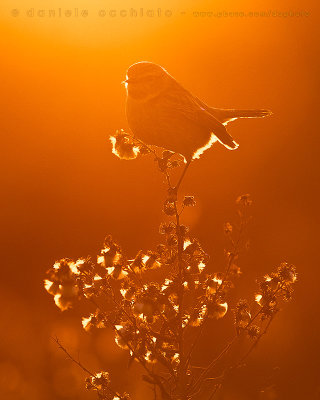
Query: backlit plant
point(159, 321)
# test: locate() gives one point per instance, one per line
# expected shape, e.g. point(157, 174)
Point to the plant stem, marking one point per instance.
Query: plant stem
point(181, 372)
point(182, 175)
point(108, 388)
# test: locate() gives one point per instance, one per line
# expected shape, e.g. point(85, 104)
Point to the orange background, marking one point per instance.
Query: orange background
point(63, 190)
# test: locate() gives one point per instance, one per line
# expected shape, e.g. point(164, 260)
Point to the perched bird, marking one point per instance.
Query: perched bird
point(161, 112)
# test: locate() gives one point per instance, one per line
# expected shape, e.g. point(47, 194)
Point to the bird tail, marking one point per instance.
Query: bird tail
point(225, 116)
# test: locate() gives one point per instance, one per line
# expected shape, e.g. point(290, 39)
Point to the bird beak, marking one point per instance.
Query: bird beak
point(130, 80)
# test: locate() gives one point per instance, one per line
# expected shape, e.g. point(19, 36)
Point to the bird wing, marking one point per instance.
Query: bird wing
point(183, 103)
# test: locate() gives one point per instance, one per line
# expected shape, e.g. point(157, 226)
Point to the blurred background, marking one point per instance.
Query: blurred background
point(63, 190)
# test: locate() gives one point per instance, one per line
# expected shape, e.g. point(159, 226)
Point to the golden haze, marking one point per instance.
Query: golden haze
point(63, 190)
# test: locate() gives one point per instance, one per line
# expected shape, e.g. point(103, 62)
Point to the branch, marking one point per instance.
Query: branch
point(213, 363)
point(56, 340)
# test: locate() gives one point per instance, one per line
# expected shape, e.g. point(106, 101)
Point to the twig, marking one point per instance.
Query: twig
point(255, 343)
point(182, 175)
point(56, 340)
point(217, 387)
point(231, 259)
point(213, 363)
point(182, 364)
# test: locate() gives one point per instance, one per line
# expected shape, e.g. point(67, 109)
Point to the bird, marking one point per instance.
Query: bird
point(161, 112)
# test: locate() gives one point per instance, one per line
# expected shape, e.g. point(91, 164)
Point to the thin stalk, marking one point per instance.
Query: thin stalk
point(181, 373)
point(108, 388)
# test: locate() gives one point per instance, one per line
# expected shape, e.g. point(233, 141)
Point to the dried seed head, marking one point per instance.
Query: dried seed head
point(123, 146)
point(189, 201)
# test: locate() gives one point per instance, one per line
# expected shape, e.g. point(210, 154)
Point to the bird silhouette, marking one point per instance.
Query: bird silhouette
point(160, 111)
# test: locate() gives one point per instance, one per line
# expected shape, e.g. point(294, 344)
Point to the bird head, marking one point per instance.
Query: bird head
point(146, 80)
